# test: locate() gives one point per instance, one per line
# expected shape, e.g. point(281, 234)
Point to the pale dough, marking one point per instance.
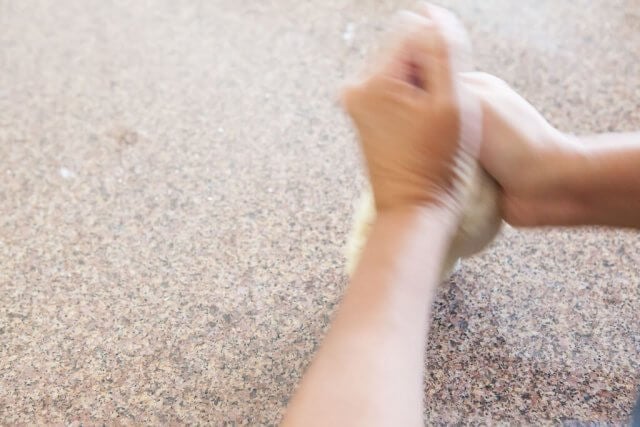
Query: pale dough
point(479, 225)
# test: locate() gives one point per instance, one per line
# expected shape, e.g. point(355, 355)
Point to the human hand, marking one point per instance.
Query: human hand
point(522, 151)
point(419, 130)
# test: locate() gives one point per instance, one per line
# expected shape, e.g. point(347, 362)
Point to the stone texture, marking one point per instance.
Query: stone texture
point(176, 187)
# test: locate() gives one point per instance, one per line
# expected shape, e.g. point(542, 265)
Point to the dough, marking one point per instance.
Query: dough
point(479, 224)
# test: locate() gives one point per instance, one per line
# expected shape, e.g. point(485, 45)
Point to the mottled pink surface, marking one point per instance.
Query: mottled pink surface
point(176, 185)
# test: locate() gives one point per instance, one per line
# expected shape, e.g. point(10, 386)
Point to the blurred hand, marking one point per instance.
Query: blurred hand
point(418, 130)
point(521, 150)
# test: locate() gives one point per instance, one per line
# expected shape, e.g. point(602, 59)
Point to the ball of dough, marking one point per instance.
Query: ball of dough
point(478, 226)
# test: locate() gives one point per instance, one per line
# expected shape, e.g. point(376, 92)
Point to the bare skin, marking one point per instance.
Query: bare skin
point(604, 181)
point(415, 114)
point(409, 112)
point(549, 177)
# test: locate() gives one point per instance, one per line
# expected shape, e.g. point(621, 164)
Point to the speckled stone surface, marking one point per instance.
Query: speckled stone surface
point(176, 185)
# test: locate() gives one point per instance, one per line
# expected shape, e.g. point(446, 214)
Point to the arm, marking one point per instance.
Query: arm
point(604, 180)
point(369, 370)
point(551, 178)
point(411, 120)
point(591, 180)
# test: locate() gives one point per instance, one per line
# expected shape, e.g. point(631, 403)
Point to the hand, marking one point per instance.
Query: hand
point(522, 151)
point(412, 124)
point(418, 130)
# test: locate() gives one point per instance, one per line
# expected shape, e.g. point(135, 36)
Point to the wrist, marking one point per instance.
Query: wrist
point(565, 198)
point(406, 247)
point(603, 180)
point(428, 215)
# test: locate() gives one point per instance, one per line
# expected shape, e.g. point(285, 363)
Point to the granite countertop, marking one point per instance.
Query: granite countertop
point(177, 183)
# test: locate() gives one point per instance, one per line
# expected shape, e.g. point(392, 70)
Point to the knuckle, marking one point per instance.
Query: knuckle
point(346, 96)
point(351, 94)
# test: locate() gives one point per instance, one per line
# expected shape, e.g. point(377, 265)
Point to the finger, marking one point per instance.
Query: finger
point(430, 53)
point(349, 94)
point(393, 59)
point(454, 33)
point(359, 97)
point(388, 88)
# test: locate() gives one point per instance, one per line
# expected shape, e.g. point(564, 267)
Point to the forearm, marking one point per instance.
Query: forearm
point(370, 358)
point(600, 178)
